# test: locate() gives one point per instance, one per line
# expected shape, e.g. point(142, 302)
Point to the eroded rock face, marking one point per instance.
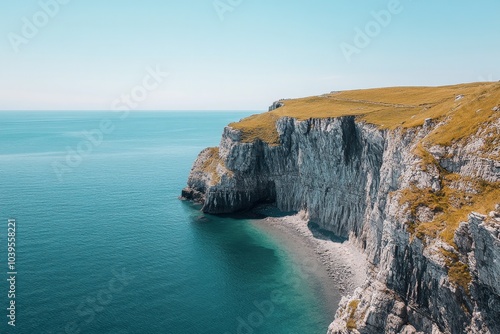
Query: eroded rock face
point(346, 175)
point(416, 295)
point(322, 165)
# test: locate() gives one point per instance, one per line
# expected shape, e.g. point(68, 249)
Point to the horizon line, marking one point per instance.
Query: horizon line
point(121, 111)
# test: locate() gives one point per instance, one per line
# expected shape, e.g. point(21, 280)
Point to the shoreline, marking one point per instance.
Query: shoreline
point(337, 268)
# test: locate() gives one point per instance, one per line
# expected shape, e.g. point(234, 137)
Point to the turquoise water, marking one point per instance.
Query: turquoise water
point(105, 246)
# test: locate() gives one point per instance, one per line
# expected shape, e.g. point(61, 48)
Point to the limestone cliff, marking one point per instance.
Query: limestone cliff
point(402, 194)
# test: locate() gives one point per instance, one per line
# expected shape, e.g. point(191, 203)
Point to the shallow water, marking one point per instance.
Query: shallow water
point(106, 246)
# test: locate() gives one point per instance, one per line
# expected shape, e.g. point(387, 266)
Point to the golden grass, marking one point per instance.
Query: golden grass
point(408, 107)
point(491, 147)
point(436, 201)
point(388, 108)
point(211, 163)
point(351, 322)
point(458, 272)
point(258, 127)
point(427, 159)
point(450, 206)
point(474, 110)
point(462, 204)
point(353, 305)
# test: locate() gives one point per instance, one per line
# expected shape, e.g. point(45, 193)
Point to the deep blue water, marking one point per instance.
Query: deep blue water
point(104, 245)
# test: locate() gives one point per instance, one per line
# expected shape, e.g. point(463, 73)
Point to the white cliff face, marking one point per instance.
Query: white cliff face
point(347, 175)
point(430, 304)
point(464, 159)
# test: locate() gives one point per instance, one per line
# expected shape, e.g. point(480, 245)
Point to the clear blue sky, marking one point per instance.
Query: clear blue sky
point(91, 52)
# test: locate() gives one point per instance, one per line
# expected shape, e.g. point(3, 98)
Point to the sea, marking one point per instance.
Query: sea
point(98, 240)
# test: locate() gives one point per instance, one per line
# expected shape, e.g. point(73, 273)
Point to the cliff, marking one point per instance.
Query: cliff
point(410, 175)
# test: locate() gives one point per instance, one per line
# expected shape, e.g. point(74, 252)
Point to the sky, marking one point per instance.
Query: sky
point(234, 54)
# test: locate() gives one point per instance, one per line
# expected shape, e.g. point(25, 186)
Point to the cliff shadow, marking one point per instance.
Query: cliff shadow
point(262, 211)
point(320, 233)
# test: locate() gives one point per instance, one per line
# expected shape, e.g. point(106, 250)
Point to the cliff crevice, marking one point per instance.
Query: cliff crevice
point(405, 200)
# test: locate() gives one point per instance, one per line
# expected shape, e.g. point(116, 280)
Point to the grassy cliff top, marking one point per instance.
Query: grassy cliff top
point(465, 107)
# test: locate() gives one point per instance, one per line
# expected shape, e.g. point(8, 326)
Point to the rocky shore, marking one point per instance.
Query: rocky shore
point(416, 198)
point(344, 266)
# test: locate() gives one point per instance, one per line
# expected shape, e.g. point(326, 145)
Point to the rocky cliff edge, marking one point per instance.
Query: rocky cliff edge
point(409, 175)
